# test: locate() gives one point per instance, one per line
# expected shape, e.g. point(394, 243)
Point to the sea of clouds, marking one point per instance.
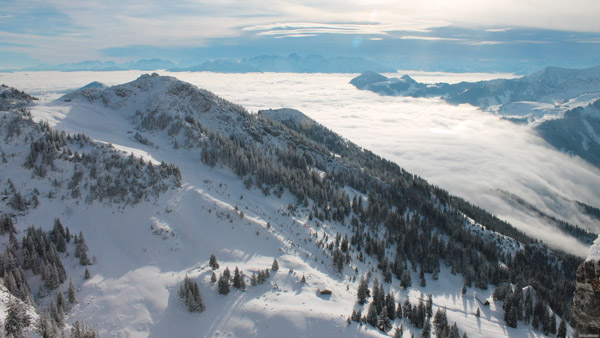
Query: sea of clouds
point(472, 154)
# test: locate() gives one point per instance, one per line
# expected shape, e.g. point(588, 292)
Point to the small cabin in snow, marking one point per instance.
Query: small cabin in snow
point(324, 291)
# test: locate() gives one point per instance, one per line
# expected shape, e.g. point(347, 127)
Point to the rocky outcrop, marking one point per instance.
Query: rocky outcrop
point(586, 302)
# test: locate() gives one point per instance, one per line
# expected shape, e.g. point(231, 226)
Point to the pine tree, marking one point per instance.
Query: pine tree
point(356, 315)
point(440, 322)
point(46, 327)
point(390, 305)
point(553, 324)
point(562, 329)
point(398, 332)
point(511, 317)
point(454, 331)
point(426, 330)
point(60, 301)
point(213, 278)
point(227, 274)
point(362, 291)
point(405, 280)
point(223, 285)
point(275, 266)
point(406, 308)
point(429, 306)
point(303, 280)
point(86, 274)
point(81, 250)
point(16, 319)
point(528, 307)
point(422, 280)
point(384, 323)
point(71, 293)
point(79, 330)
point(372, 315)
point(238, 279)
point(213, 262)
point(253, 279)
point(189, 292)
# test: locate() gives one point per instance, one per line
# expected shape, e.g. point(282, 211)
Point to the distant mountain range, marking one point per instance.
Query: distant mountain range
point(562, 104)
point(290, 64)
point(552, 85)
point(264, 63)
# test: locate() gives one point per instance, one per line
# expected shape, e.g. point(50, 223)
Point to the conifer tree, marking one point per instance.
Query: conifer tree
point(427, 329)
point(213, 277)
point(16, 319)
point(553, 323)
point(384, 323)
point(275, 266)
point(440, 322)
point(362, 291)
point(223, 285)
point(562, 329)
point(238, 279)
point(189, 292)
point(71, 293)
point(390, 305)
point(398, 332)
point(213, 262)
point(86, 274)
point(372, 315)
point(454, 331)
point(227, 274)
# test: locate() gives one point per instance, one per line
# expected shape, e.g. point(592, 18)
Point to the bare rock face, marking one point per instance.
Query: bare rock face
point(586, 302)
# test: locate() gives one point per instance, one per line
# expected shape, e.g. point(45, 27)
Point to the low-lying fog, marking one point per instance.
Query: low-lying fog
point(471, 153)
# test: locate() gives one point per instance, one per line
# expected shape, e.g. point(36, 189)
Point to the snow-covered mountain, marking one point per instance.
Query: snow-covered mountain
point(577, 132)
point(561, 87)
point(159, 175)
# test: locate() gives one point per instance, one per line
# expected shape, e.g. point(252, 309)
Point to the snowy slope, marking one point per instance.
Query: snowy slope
point(143, 251)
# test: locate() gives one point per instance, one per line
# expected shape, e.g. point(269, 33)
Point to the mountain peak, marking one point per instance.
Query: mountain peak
point(367, 78)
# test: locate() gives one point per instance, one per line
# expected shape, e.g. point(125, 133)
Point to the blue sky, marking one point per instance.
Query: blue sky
point(565, 33)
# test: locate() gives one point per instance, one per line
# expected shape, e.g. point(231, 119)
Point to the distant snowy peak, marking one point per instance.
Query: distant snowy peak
point(367, 78)
point(552, 85)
